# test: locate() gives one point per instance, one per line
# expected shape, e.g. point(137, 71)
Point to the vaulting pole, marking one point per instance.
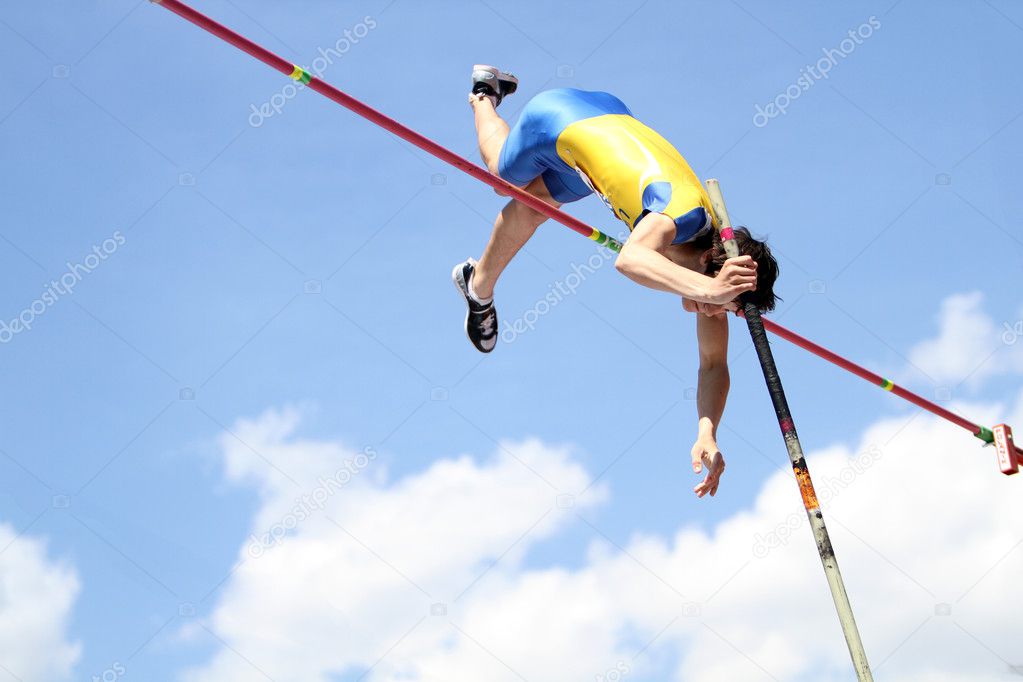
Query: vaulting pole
point(446, 155)
point(788, 430)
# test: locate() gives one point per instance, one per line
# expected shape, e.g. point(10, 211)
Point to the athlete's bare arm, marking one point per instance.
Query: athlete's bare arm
point(711, 394)
point(642, 260)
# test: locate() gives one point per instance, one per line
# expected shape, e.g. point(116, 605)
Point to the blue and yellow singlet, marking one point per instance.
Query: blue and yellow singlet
point(583, 143)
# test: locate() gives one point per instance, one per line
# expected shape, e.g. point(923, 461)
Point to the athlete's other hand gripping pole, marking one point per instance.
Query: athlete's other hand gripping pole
point(788, 430)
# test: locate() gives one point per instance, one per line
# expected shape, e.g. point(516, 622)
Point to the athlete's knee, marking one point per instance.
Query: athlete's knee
point(493, 164)
point(500, 190)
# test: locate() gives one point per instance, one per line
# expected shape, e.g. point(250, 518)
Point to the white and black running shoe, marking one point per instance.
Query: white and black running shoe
point(493, 83)
point(481, 320)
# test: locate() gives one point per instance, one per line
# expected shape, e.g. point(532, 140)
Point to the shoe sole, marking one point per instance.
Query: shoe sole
point(509, 83)
point(495, 75)
point(506, 82)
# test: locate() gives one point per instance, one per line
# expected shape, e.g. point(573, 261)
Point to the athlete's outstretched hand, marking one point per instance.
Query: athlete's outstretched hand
point(737, 275)
point(706, 454)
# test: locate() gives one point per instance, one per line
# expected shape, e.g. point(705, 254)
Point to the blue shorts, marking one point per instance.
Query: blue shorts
point(531, 152)
point(584, 143)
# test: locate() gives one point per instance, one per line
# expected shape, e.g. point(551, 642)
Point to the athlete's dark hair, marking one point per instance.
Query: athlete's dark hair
point(763, 297)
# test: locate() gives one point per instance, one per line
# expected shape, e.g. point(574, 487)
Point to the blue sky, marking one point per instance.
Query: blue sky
point(304, 263)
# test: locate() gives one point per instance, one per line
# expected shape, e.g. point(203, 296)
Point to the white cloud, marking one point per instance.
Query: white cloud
point(919, 514)
point(971, 345)
point(36, 598)
point(369, 564)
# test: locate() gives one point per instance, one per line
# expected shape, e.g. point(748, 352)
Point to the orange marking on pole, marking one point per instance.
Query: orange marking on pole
point(806, 488)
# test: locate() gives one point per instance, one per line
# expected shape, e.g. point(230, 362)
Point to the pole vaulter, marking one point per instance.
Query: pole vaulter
point(1009, 455)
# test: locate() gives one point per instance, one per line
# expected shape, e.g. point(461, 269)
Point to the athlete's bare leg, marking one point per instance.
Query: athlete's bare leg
point(512, 229)
point(517, 222)
point(491, 130)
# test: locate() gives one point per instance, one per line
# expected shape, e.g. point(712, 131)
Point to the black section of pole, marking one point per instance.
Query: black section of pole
point(763, 347)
